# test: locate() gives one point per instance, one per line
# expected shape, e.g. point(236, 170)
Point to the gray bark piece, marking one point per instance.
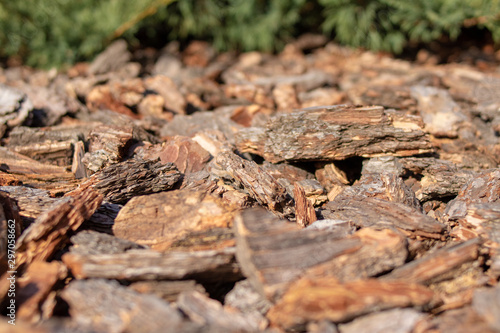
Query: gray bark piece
point(486, 302)
point(15, 107)
point(109, 307)
point(440, 113)
point(93, 243)
point(393, 321)
point(113, 58)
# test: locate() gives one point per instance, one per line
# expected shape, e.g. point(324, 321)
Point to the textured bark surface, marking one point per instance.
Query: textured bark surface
point(51, 229)
point(335, 133)
point(259, 184)
point(326, 298)
point(135, 265)
point(120, 182)
point(182, 212)
point(273, 253)
point(10, 229)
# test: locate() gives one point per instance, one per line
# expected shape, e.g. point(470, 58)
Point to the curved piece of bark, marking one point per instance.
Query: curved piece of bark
point(335, 133)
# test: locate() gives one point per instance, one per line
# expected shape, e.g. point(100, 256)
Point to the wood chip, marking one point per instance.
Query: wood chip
point(326, 298)
point(335, 133)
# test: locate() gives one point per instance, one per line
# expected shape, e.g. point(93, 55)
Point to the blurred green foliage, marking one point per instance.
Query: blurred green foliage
point(46, 33)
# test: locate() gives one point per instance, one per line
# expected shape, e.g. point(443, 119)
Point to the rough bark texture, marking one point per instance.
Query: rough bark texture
point(335, 133)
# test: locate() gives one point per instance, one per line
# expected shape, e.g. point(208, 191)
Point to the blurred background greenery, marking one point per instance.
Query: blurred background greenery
point(52, 33)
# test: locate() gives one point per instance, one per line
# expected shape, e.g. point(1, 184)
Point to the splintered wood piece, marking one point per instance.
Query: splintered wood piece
point(368, 212)
point(394, 321)
point(260, 184)
point(77, 166)
point(160, 219)
point(385, 186)
point(330, 176)
point(335, 133)
point(109, 307)
point(272, 253)
point(120, 182)
point(441, 179)
point(483, 220)
point(438, 265)
point(52, 228)
point(167, 290)
point(34, 173)
point(10, 229)
point(304, 209)
point(325, 298)
point(108, 144)
point(483, 188)
point(35, 285)
point(205, 311)
point(52, 152)
point(137, 265)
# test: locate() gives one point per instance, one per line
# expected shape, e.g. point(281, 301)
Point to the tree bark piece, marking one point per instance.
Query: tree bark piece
point(160, 219)
point(436, 266)
point(89, 242)
point(51, 230)
point(208, 312)
point(441, 179)
point(373, 212)
point(108, 144)
point(335, 133)
point(304, 209)
point(34, 287)
point(325, 298)
point(260, 184)
point(54, 153)
point(120, 182)
point(136, 265)
point(394, 321)
point(108, 307)
point(273, 253)
point(483, 188)
point(10, 229)
point(167, 290)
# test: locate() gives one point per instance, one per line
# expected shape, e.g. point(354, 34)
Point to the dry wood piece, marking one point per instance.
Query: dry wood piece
point(108, 307)
point(330, 175)
point(77, 166)
point(260, 184)
point(272, 253)
point(325, 298)
point(304, 209)
point(34, 286)
point(246, 299)
point(135, 265)
point(394, 321)
point(384, 186)
point(160, 219)
point(486, 303)
point(167, 290)
point(55, 153)
point(89, 242)
point(483, 188)
point(441, 179)
point(36, 174)
point(31, 201)
point(335, 133)
point(187, 155)
point(108, 145)
point(10, 229)
point(383, 164)
point(15, 108)
point(373, 212)
point(51, 229)
point(438, 265)
point(208, 312)
point(120, 182)
point(463, 320)
point(441, 114)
